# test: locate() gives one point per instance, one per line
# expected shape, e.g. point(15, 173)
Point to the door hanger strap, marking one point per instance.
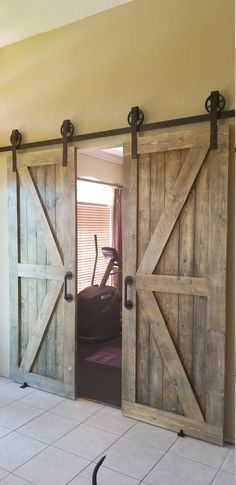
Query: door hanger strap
point(15, 140)
point(135, 120)
point(67, 130)
point(214, 104)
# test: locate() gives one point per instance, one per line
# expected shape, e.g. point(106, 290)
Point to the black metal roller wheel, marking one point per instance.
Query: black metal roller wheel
point(18, 138)
point(140, 118)
point(220, 106)
point(70, 129)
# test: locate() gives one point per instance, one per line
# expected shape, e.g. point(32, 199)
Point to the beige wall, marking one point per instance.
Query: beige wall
point(89, 166)
point(164, 55)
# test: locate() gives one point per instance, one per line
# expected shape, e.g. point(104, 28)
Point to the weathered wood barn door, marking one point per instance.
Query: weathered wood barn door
point(42, 250)
point(175, 225)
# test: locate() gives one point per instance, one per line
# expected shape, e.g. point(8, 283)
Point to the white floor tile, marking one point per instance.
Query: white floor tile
point(105, 477)
point(16, 449)
point(48, 427)
point(205, 453)
point(111, 419)
point(174, 470)
point(52, 467)
point(224, 478)
point(43, 400)
point(4, 381)
point(77, 410)
point(86, 441)
point(132, 459)
point(14, 480)
point(17, 414)
point(4, 401)
point(12, 390)
point(3, 473)
point(152, 436)
point(4, 431)
point(229, 463)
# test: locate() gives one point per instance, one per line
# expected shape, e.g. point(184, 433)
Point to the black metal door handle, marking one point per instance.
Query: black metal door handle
point(68, 296)
point(128, 303)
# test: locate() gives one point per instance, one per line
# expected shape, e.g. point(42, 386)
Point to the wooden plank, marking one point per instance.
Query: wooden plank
point(32, 237)
point(173, 207)
point(23, 284)
point(40, 363)
point(174, 422)
point(50, 201)
point(157, 189)
point(184, 285)
point(170, 356)
point(13, 261)
point(70, 257)
point(44, 383)
point(129, 232)
point(185, 139)
point(60, 311)
point(201, 269)
point(143, 238)
point(186, 260)
point(38, 271)
point(170, 302)
point(216, 310)
point(40, 327)
point(39, 215)
point(39, 157)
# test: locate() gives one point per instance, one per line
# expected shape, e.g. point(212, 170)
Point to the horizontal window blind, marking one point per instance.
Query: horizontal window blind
point(92, 219)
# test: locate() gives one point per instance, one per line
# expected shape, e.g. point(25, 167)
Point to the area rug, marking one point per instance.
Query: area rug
point(110, 356)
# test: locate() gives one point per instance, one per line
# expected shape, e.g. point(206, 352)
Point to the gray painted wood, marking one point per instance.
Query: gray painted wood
point(187, 228)
point(44, 193)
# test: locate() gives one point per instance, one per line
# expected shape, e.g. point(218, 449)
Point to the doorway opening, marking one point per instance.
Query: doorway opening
point(99, 274)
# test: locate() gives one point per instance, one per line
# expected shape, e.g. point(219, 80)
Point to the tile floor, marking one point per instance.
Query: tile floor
point(48, 440)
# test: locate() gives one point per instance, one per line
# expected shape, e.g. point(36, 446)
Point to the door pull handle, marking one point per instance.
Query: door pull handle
point(128, 303)
point(68, 296)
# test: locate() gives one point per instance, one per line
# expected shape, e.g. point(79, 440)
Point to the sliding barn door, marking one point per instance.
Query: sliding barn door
point(175, 225)
point(42, 250)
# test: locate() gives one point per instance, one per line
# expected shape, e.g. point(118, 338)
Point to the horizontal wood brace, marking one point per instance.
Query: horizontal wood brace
point(180, 285)
point(44, 272)
point(169, 420)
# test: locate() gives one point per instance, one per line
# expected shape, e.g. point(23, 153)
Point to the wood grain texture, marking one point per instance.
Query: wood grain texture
point(216, 309)
point(185, 285)
point(45, 272)
point(143, 237)
point(180, 283)
point(44, 223)
point(129, 250)
point(40, 327)
point(170, 301)
point(170, 356)
point(39, 215)
point(13, 217)
point(174, 422)
point(157, 201)
point(70, 258)
point(173, 206)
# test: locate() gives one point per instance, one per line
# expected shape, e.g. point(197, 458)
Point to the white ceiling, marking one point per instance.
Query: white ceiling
point(25, 18)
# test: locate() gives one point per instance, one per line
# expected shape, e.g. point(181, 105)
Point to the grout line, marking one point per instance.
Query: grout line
point(219, 469)
point(160, 459)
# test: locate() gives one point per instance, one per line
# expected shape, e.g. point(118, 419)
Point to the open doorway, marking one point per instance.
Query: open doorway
point(99, 274)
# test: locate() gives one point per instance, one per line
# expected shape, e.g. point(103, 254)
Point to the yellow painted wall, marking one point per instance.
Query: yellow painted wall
point(164, 55)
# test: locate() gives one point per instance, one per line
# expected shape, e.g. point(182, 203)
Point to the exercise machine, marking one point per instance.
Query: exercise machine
point(99, 306)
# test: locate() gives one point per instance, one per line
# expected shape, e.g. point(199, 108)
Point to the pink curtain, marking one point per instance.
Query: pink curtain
point(117, 233)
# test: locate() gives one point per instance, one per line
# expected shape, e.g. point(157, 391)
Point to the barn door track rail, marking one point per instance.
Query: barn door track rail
point(214, 106)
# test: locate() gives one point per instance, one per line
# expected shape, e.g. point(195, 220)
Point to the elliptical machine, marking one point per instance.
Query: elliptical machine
point(99, 306)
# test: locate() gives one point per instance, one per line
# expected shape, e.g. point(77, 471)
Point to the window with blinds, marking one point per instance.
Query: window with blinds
point(92, 219)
